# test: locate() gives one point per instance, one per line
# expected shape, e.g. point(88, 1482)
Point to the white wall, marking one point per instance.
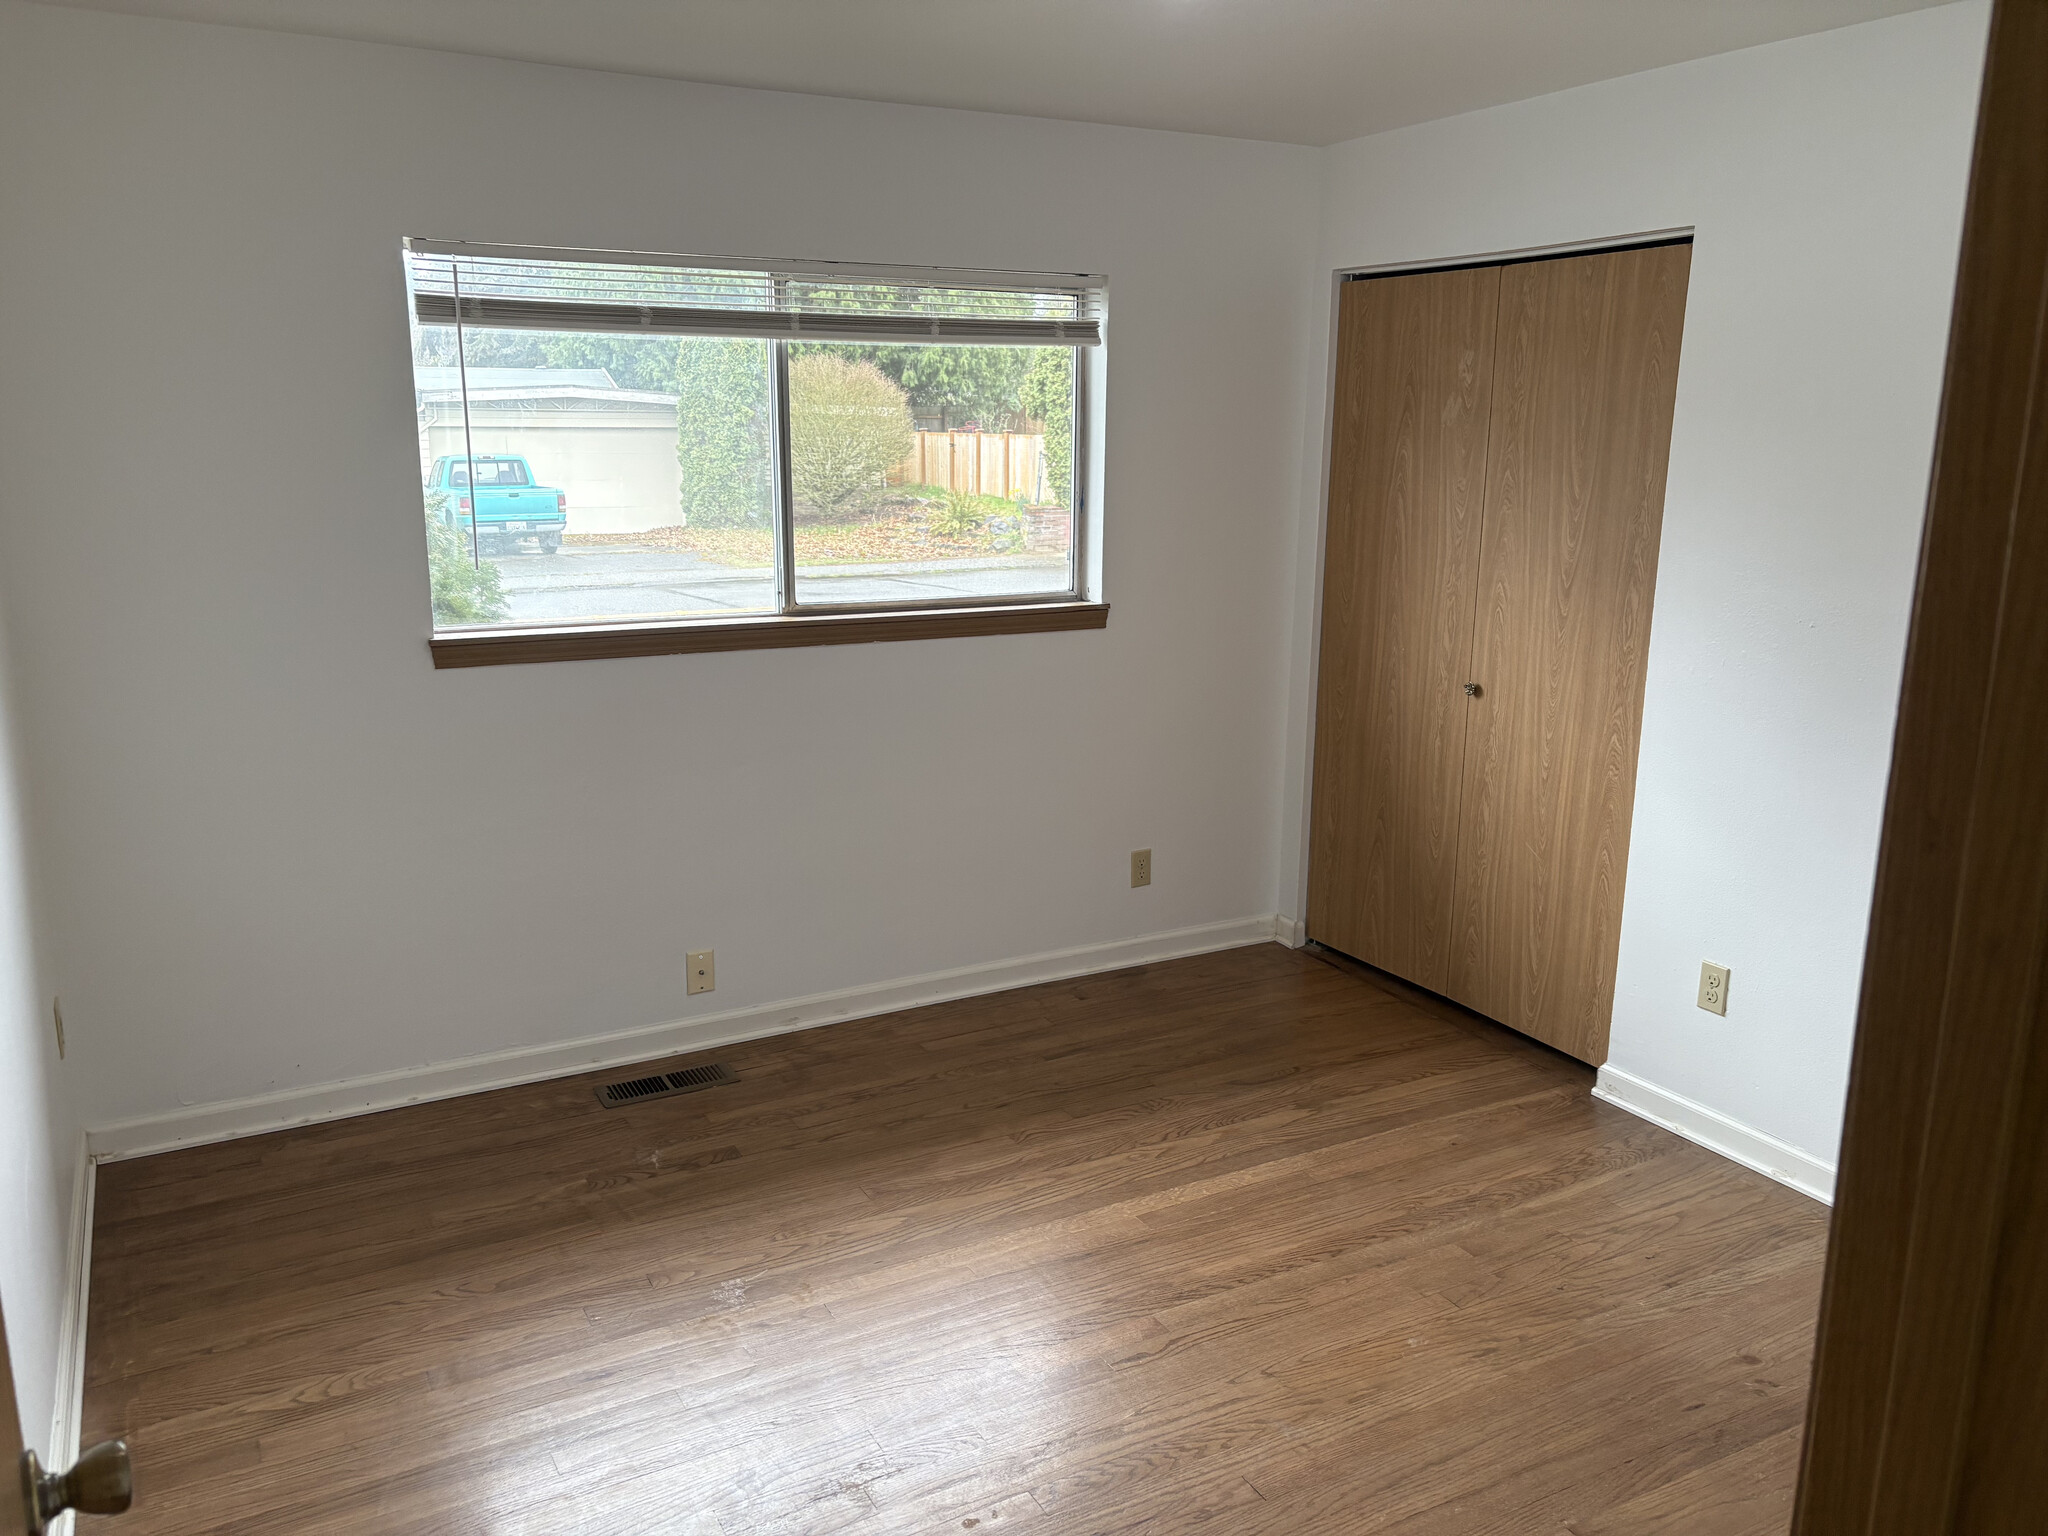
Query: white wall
point(282, 850)
point(39, 1147)
point(278, 850)
point(1824, 178)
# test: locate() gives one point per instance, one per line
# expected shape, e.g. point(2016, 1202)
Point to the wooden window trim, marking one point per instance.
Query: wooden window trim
point(517, 647)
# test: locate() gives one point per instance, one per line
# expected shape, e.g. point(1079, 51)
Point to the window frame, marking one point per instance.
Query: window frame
point(795, 622)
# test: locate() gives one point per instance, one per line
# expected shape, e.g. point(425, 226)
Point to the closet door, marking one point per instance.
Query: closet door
point(1407, 472)
point(1585, 374)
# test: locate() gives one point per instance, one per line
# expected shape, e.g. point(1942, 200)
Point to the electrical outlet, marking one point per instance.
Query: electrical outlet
point(57, 1017)
point(1714, 987)
point(703, 970)
point(1141, 868)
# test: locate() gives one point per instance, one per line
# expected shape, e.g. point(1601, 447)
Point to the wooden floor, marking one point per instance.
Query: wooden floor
point(1248, 1243)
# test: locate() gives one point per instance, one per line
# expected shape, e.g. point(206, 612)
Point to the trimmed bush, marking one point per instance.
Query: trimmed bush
point(849, 425)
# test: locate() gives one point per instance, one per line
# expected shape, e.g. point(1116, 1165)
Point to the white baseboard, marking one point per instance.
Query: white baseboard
point(531, 1064)
point(1718, 1133)
point(1291, 931)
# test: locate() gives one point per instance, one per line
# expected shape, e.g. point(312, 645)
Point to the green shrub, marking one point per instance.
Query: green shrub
point(958, 516)
point(465, 591)
point(958, 384)
point(849, 425)
point(962, 515)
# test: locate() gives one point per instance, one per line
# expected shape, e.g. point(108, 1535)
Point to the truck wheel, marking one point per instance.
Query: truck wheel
point(550, 546)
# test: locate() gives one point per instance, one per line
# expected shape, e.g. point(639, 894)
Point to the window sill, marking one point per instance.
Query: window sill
point(495, 648)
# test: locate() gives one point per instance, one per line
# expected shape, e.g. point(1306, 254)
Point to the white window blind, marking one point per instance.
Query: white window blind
point(713, 296)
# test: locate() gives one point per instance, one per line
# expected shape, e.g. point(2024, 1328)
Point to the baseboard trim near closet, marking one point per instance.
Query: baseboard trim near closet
point(226, 1121)
point(1717, 1133)
point(67, 1415)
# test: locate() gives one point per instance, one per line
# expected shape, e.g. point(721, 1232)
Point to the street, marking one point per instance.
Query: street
point(594, 583)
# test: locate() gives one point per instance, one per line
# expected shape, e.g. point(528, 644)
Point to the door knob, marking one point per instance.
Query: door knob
point(1472, 690)
point(101, 1482)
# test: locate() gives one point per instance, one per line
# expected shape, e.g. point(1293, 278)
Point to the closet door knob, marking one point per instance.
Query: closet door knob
point(1472, 690)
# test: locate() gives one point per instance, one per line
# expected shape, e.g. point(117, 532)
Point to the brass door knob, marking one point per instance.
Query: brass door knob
point(1472, 690)
point(101, 1482)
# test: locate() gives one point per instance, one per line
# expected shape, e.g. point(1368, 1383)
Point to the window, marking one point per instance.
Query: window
point(489, 471)
point(629, 454)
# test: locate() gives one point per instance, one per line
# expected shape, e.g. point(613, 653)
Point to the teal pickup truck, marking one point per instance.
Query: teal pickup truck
point(506, 504)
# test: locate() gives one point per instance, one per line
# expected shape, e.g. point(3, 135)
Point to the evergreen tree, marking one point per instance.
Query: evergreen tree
point(1047, 396)
point(723, 419)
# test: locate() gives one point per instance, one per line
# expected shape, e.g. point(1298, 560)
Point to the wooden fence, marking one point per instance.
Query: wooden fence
point(1005, 464)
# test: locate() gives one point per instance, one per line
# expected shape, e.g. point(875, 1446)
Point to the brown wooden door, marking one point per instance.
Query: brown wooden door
point(1413, 391)
point(31, 1498)
point(13, 1510)
point(1929, 1410)
point(1585, 375)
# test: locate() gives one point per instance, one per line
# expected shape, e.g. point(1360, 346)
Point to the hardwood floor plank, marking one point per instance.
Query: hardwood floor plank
point(1247, 1242)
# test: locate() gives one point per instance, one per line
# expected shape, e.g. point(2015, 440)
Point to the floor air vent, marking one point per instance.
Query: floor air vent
point(660, 1086)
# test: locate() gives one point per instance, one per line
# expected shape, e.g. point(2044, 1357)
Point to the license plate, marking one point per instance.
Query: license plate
point(516, 527)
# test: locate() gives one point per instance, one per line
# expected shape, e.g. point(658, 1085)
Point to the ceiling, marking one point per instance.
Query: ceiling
point(1300, 71)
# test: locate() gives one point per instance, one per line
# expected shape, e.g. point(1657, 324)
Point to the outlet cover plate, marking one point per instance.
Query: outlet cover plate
point(1714, 988)
point(703, 965)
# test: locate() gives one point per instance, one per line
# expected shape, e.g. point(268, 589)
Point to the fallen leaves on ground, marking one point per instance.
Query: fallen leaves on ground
point(890, 537)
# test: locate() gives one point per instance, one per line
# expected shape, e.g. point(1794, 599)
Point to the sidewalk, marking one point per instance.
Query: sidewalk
point(614, 582)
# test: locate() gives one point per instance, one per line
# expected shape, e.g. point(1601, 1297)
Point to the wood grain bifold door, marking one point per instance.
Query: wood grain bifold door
point(1497, 493)
point(1586, 368)
point(1407, 473)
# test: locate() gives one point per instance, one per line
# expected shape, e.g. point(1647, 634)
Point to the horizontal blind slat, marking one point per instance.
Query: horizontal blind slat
point(657, 320)
point(558, 292)
point(832, 271)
